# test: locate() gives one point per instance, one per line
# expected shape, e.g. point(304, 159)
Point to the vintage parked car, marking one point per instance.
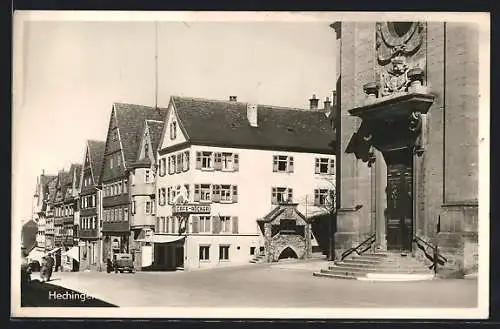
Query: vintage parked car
point(123, 262)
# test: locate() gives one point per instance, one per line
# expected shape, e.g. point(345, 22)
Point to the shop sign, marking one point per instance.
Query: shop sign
point(190, 209)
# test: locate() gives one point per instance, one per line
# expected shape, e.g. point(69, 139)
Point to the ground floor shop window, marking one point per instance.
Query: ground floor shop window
point(224, 252)
point(204, 252)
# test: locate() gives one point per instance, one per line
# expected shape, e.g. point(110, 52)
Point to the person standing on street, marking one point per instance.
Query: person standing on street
point(50, 266)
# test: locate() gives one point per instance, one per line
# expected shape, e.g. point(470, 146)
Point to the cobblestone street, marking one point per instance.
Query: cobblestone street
point(264, 285)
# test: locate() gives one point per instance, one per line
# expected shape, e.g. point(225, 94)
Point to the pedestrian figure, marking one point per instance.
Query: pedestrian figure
point(49, 265)
point(43, 269)
point(109, 265)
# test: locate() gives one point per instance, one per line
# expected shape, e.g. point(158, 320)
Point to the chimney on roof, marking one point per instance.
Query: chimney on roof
point(328, 105)
point(313, 102)
point(233, 98)
point(252, 114)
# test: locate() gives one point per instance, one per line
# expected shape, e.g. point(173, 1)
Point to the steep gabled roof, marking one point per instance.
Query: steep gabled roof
point(155, 130)
point(130, 120)
point(96, 154)
point(42, 184)
point(225, 123)
point(286, 211)
point(74, 173)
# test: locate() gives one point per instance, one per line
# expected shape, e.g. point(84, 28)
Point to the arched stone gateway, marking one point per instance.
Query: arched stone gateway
point(288, 252)
point(287, 234)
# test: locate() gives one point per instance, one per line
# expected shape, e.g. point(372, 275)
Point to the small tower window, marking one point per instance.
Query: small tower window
point(173, 130)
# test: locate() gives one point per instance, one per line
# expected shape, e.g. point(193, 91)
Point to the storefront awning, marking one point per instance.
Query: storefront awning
point(73, 253)
point(159, 238)
point(54, 250)
point(36, 255)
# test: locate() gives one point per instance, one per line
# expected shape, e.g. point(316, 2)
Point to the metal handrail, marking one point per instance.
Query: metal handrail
point(436, 258)
point(349, 251)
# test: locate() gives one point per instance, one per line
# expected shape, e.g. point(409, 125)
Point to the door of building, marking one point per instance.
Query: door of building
point(179, 256)
point(399, 215)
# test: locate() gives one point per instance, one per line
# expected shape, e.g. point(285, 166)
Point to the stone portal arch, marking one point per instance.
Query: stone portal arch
point(288, 252)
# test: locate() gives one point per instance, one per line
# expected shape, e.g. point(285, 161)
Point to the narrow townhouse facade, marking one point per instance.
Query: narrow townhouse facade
point(222, 165)
point(59, 208)
point(40, 199)
point(123, 136)
point(90, 206)
point(142, 180)
point(49, 212)
point(70, 259)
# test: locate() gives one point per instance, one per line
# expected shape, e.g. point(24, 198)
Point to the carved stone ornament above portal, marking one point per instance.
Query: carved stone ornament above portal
point(398, 70)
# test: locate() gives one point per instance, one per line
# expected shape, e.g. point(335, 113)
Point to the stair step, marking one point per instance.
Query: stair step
point(375, 257)
point(339, 271)
point(378, 269)
point(361, 261)
point(355, 263)
point(334, 276)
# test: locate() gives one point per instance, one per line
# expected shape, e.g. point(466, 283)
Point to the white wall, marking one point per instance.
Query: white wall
point(180, 138)
point(255, 180)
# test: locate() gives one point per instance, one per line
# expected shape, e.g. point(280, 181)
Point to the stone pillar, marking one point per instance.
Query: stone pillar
point(357, 58)
point(307, 237)
point(458, 221)
point(267, 242)
point(381, 200)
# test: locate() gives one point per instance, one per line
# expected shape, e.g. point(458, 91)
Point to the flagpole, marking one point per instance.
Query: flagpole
point(156, 64)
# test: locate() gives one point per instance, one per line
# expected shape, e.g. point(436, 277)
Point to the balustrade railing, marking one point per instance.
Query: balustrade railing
point(431, 252)
point(360, 248)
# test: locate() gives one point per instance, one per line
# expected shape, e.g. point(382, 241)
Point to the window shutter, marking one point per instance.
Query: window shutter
point(316, 197)
point(169, 195)
point(178, 163)
point(170, 165)
point(195, 226)
point(275, 163)
point(290, 195)
point(331, 167)
point(235, 194)
point(274, 196)
point(216, 193)
point(217, 161)
point(215, 224)
point(236, 162)
point(198, 160)
point(164, 164)
point(290, 164)
point(188, 192)
point(234, 219)
point(196, 192)
point(185, 161)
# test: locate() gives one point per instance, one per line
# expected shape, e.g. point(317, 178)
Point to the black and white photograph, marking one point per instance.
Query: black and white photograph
point(250, 165)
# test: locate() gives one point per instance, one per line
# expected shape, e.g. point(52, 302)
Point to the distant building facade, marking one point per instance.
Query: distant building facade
point(125, 126)
point(142, 180)
point(237, 162)
point(90, 208)
point(40, 204)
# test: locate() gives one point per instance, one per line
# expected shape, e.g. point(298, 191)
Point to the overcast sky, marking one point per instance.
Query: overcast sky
point(74, 71)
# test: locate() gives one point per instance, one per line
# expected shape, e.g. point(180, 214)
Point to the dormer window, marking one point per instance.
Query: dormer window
point(114, 134)
point(173, 130)
point(146, 149)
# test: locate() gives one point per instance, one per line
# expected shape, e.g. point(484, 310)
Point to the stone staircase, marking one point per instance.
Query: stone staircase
point(381, 266)
point(259, 258)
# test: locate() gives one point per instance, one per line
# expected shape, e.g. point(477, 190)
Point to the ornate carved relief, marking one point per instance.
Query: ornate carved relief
point(397, 70)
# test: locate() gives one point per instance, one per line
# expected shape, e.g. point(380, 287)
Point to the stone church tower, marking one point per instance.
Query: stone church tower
point(407, 105)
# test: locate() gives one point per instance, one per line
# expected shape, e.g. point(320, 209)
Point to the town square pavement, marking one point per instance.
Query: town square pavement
point(264, 285)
